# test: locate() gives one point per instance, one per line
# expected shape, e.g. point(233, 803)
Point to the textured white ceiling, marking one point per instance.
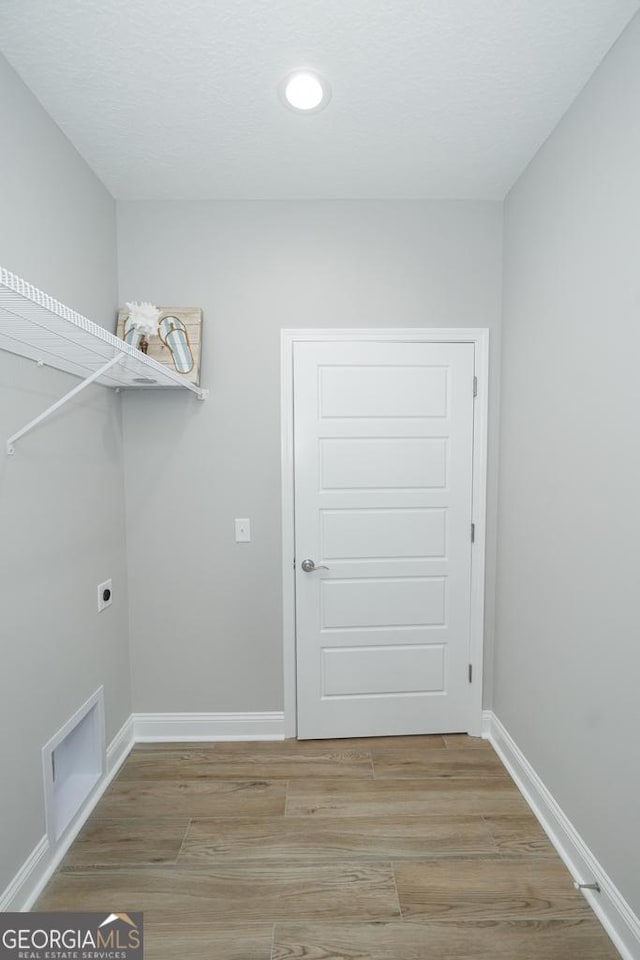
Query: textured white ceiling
point(431, 98)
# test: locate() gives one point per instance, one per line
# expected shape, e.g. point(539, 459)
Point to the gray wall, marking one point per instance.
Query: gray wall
point(568, 628)
point(61, 495)
point(206, 613)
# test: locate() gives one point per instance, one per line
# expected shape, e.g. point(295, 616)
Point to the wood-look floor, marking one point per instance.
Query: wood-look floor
point(402, 848)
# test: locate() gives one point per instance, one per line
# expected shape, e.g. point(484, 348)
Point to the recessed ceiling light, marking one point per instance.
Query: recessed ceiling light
point(305, 91)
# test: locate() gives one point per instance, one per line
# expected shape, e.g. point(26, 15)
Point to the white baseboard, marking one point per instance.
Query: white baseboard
point(18, 893)
point(44, 860)
point(119, 748)
point(182, 727)
point(487, 717)
point(610, 907)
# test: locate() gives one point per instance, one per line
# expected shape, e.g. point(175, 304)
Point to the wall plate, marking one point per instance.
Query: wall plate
point(105, 595)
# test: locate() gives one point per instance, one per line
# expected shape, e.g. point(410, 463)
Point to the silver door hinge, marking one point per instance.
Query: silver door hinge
point(470, 673)
point(294, 563)
point(475, 386)
point(53, 767)
point(473, 533)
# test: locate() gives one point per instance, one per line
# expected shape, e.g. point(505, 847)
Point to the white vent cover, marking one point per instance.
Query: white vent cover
point(73, 763)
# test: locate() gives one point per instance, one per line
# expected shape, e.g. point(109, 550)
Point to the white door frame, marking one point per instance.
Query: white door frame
point(479, 337)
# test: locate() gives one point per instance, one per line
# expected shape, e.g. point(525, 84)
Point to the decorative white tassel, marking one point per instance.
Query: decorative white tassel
point(144, 317)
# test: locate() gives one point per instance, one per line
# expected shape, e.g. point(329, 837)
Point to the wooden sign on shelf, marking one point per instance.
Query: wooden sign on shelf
point(178, 342)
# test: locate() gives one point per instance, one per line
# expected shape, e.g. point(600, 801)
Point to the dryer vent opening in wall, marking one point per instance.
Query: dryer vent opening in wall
point(73, 763)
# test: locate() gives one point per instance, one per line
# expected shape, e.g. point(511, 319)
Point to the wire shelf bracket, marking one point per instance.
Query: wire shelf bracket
point(60, 403)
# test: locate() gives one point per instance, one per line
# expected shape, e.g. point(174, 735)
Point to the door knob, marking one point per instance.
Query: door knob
point(309, 566)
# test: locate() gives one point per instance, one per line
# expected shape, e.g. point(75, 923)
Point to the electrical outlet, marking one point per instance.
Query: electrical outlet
point(105, 595)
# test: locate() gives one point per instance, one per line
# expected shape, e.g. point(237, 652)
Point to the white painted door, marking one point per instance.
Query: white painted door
point(383, 440)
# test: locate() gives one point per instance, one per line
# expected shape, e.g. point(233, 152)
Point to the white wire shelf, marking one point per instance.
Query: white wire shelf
point(36, 326)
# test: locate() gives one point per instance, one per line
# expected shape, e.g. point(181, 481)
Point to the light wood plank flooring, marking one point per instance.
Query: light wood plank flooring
point(401, 848)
